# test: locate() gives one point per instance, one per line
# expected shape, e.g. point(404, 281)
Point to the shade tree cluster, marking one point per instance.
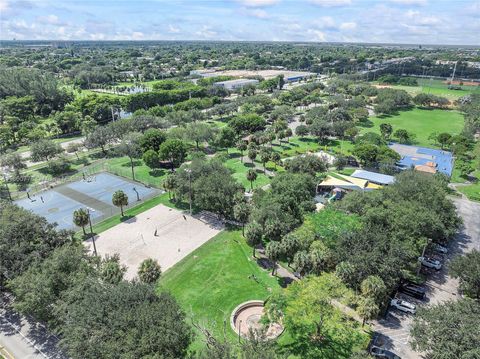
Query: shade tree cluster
point(55, 280)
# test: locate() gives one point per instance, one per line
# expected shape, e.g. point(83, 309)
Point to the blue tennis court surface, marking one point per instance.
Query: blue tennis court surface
point(103, 185)
point(56, 208)
point(95, 193)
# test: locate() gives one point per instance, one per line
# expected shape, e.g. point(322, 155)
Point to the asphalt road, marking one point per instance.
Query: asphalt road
point(23, 338)
point(393, 331)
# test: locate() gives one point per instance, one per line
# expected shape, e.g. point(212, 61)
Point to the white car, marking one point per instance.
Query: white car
point(441, 249)
point(403, 305)
point(430, 263)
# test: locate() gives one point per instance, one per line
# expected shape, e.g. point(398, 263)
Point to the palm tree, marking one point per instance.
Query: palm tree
point(265, 156)
point(241, 211)
point(368, 309)
point(276, 158)
point(252, 154)
point(81, 218)
point(253, 235)
point(170, 184)
point(120, 199)
point(251, 176)
point(273, 252)
point(149, 271)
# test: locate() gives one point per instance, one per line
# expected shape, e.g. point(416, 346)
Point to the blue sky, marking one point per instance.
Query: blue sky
point(392, 21)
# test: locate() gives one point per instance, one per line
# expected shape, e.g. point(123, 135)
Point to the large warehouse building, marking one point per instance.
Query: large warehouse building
point(236, 84)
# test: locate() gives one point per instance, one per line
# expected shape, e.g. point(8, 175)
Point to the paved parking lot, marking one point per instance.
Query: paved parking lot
point(393, 330)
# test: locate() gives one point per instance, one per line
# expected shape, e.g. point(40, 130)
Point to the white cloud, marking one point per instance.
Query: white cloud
point(412, 13)
point(258, 3)
point(49, 20)
point(315, 35)
point(206, 32)
point(258, 13)
point(348, 25)
point(137, 35)
point(173, 30)
point(325, 22)
point(331, 3)
point(4, 5)
point(410, 2)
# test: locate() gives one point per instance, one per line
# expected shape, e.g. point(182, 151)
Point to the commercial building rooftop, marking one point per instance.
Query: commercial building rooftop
point(374, 177)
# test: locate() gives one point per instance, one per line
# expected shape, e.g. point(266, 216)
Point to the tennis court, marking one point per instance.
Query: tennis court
point(94, 193)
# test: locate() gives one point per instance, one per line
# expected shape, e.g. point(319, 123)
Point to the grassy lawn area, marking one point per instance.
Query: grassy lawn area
point(240, 169)
point(471, 191)
point(437, 87)
point(211, 281)
point(420, 122)
point(121, 167)
point(300, 145)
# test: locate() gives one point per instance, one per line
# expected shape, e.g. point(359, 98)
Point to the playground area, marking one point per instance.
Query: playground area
point(162, 233)
point(94, 192)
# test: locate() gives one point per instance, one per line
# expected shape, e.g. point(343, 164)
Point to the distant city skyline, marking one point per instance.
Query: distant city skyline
point(394, 21)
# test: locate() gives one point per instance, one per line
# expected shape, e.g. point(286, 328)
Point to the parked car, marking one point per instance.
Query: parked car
point(378, 352)
point(403, 305)
point(413, 290)
point(440, 249)
point(430, 263)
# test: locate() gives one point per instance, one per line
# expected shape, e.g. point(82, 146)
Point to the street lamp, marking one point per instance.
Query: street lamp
point(189, 171)
point(91, 233)
point(423, 254)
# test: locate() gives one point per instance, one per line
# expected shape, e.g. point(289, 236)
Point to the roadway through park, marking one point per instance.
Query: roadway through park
point(165, 234)
point(393, 331)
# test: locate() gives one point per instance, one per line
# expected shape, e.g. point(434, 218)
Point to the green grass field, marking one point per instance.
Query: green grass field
point(471, 191)
point(437, 87)
point(420, 122)
point(212, 280)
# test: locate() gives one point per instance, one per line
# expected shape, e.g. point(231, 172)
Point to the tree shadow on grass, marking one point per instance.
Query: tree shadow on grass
point(365, 124)
point(234, 155)
point(248, 164)
point(46, 171)
point(157, 172)
point(284, 282)
point(307, 140)
point(136, 163)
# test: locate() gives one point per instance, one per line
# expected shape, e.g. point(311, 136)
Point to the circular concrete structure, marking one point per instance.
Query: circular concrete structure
point(246, 317)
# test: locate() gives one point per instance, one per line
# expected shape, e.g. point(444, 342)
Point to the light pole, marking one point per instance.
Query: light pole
point(91, 233)
point(189, 171)
point(423, 253)
point(136, 192)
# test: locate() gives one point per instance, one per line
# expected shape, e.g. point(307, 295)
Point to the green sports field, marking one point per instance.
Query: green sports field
point(420, 122)
point(439, 88)
point(212, 280)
